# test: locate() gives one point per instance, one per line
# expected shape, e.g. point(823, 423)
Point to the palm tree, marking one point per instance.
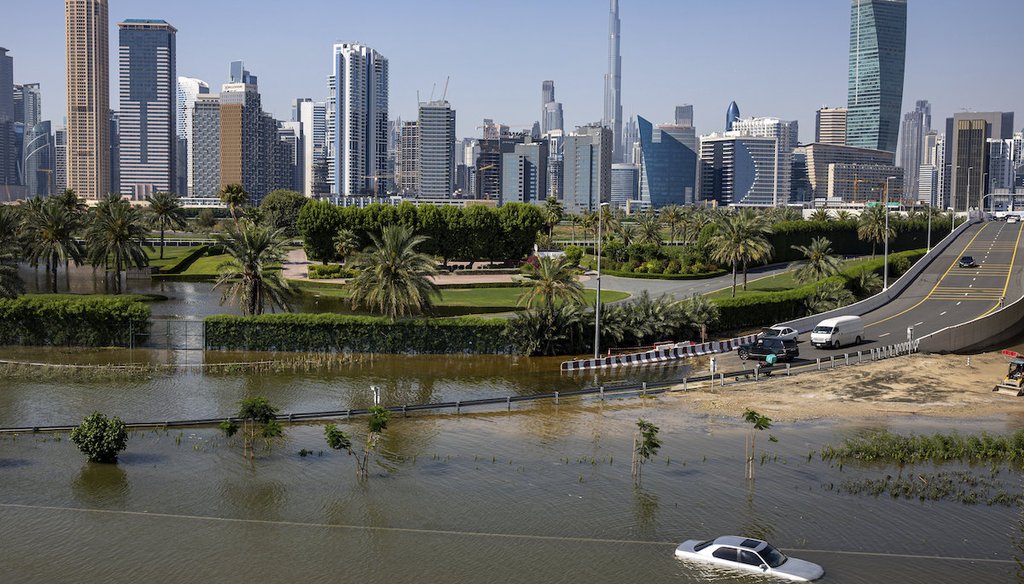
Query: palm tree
point(234, 196)
point(165, 212)
point(49, 229)
point(701, 312)
point(394, 278)
point(739, 240)
point(248, 276)
point(758, 249)
point(575, 221)
point(117, 232)
point(821, 263)
point(829, 296)
point(843, 215)
point(627, 232)
point(674, 217)
point(72, 202)
point(588, 221)
point(867, 283)
point(552, 280)
point(346, 243)
point(871, 227)
point(820, 215)
point(650, 228)
point(10, 283)
point(554, 213)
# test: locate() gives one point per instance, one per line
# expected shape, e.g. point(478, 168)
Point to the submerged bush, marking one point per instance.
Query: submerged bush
point(100, 438)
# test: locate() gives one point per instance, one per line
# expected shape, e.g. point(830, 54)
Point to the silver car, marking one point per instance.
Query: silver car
point(785, 333)
point(749, 555)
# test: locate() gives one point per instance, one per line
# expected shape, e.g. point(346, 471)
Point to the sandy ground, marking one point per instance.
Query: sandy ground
point(919, 385)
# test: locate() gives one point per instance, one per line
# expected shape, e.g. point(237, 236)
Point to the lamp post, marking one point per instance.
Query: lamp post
point(597, 305)
point(970, 169)
point(929, 228)
point(885, 272)
point(952, 220)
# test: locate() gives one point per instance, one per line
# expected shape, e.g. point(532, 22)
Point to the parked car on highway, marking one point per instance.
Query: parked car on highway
point(837, 332)
point(967, 262)
point(761, 348)
point(749, 555)
point(779, 332)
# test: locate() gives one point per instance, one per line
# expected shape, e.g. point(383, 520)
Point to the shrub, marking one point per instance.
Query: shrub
point(357, 334)
point(898, 265)
point(69, 320)
point(329, 271)
point(100, 438)
point(573, 254)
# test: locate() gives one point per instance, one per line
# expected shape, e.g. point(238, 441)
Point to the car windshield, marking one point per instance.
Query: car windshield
point(770, 332)
point(824, 330)
point(773, 557)
point(967, 259)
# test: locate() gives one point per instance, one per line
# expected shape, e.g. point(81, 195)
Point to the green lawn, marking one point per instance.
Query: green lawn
point(171, 255)
point(205, 266)
point(472, 297)
point(777, 283)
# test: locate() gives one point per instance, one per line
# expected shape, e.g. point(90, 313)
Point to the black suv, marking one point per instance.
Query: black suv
point(783, 350)
point(967, 262)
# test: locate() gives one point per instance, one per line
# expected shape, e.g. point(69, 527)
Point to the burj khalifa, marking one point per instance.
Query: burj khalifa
point(613, 84)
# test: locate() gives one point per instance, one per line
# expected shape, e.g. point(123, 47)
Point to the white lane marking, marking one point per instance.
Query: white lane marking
point(969, 286)
point(959, 303)
point(943, 313)
point(920, 323)
point(884, 335)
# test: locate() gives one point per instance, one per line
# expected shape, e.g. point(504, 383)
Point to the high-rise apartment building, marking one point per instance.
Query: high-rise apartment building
point(613, 82)
point(357, 120)
point(38, 161)
point(668, 164)
point(860, 183)
point(149, 107)
point(1003, 160)
point(189, 89)
point(115, 151)
point(524, 173)
point(204, 143)
point(738, 170)
point(407, 163)
point(551, 110)
point(7, 86)
point(8, 151)
point(821, 157)
point(625, 184)
point(915, 125)
point(28, 104)
point(312, 117)
point(786, 134)
point(436, 128)
point(556, 164)
point(88, 98)
point(60, 160)
point(830, 126)
point(587, 169)
point(878, 54)
point(240, 132)
point(966, 155)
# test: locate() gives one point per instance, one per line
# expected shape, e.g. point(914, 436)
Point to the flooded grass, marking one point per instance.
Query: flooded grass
point(960, 486)
point(936, 448)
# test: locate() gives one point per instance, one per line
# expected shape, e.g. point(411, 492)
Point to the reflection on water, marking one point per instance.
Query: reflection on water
point(101, 486)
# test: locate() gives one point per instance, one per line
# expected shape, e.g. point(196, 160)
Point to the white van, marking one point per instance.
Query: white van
point(838, 332)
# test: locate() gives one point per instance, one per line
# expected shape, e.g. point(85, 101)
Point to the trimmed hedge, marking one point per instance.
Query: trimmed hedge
point(753, 310)
point(330, 271)
point(910, 235)
point(644, 276)
point(489, 272)
point(69, 320)
point(358, 334)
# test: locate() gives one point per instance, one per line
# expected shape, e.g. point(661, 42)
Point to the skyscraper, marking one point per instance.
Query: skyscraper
point(587, 169)
point(878, 54)
point(38, 160)
point(915, 125)
point(357, 120)
point(613, 83)
point(88, 98)
point(436, 125)
point(738, 170)
point(551, 110)
point(8, 154)
point(204, 145)
point(28, 104)
point(149, 89)
point(668, 166)
point(625, 181)
point(786, 134)
point(966, 155)
point(188, 90)
point(240, 131)
point(60, 162)
point(312, 116)
point(407, 164)
point(524, 174)
point(731, 116)
point(830, 126)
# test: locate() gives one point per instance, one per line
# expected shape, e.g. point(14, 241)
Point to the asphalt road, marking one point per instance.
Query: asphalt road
point(681, 289)
point(944, 294)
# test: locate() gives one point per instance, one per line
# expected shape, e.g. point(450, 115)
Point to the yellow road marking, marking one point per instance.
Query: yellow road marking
point(948, 270)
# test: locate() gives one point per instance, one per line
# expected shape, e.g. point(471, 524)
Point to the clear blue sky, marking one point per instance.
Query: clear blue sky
point(783, 58)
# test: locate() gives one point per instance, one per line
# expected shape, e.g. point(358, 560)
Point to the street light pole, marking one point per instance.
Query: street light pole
point(885, 272)
point(929, 228)
point(597, 305)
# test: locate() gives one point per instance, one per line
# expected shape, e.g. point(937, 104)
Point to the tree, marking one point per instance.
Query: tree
point(281, 210)
point(234, 196)
point(72, 202)
point(551, 280)
point(394, 278)
point(867, 283)
point(249, 275)
point(49, 229)
point(674, 217)
point(100, 438)
point(117, 234)
point(758, 248)
point(871, 227)
point(345, 244)
point(259, 420)
point(627, 232)
point(10, 224)
point(758, 423)
point(205, 219)
point(318, 223)
point(645, 446)
point(828, 296)
point(649, 227)
point(165, 212)
point(558, 330)
point(481, 228)
point(820, 215)
point(703, 313)
point(843, 215)
point(820, 264)
point(519, 224)
point(738, 240)
point(553, 214)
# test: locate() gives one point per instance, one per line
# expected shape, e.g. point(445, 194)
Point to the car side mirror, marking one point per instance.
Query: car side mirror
point(764, 567)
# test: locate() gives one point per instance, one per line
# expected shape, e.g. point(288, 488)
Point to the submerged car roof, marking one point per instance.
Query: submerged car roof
point(743, 542)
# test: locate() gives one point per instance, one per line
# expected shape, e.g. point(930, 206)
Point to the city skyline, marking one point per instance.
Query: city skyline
point(300, 70)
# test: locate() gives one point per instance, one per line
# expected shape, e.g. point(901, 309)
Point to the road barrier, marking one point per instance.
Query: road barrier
point(662, 354)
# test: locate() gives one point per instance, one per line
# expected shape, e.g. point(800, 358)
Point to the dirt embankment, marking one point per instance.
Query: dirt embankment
point(928, 385)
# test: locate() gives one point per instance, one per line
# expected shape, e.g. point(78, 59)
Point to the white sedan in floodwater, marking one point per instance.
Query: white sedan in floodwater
point(749, 555)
